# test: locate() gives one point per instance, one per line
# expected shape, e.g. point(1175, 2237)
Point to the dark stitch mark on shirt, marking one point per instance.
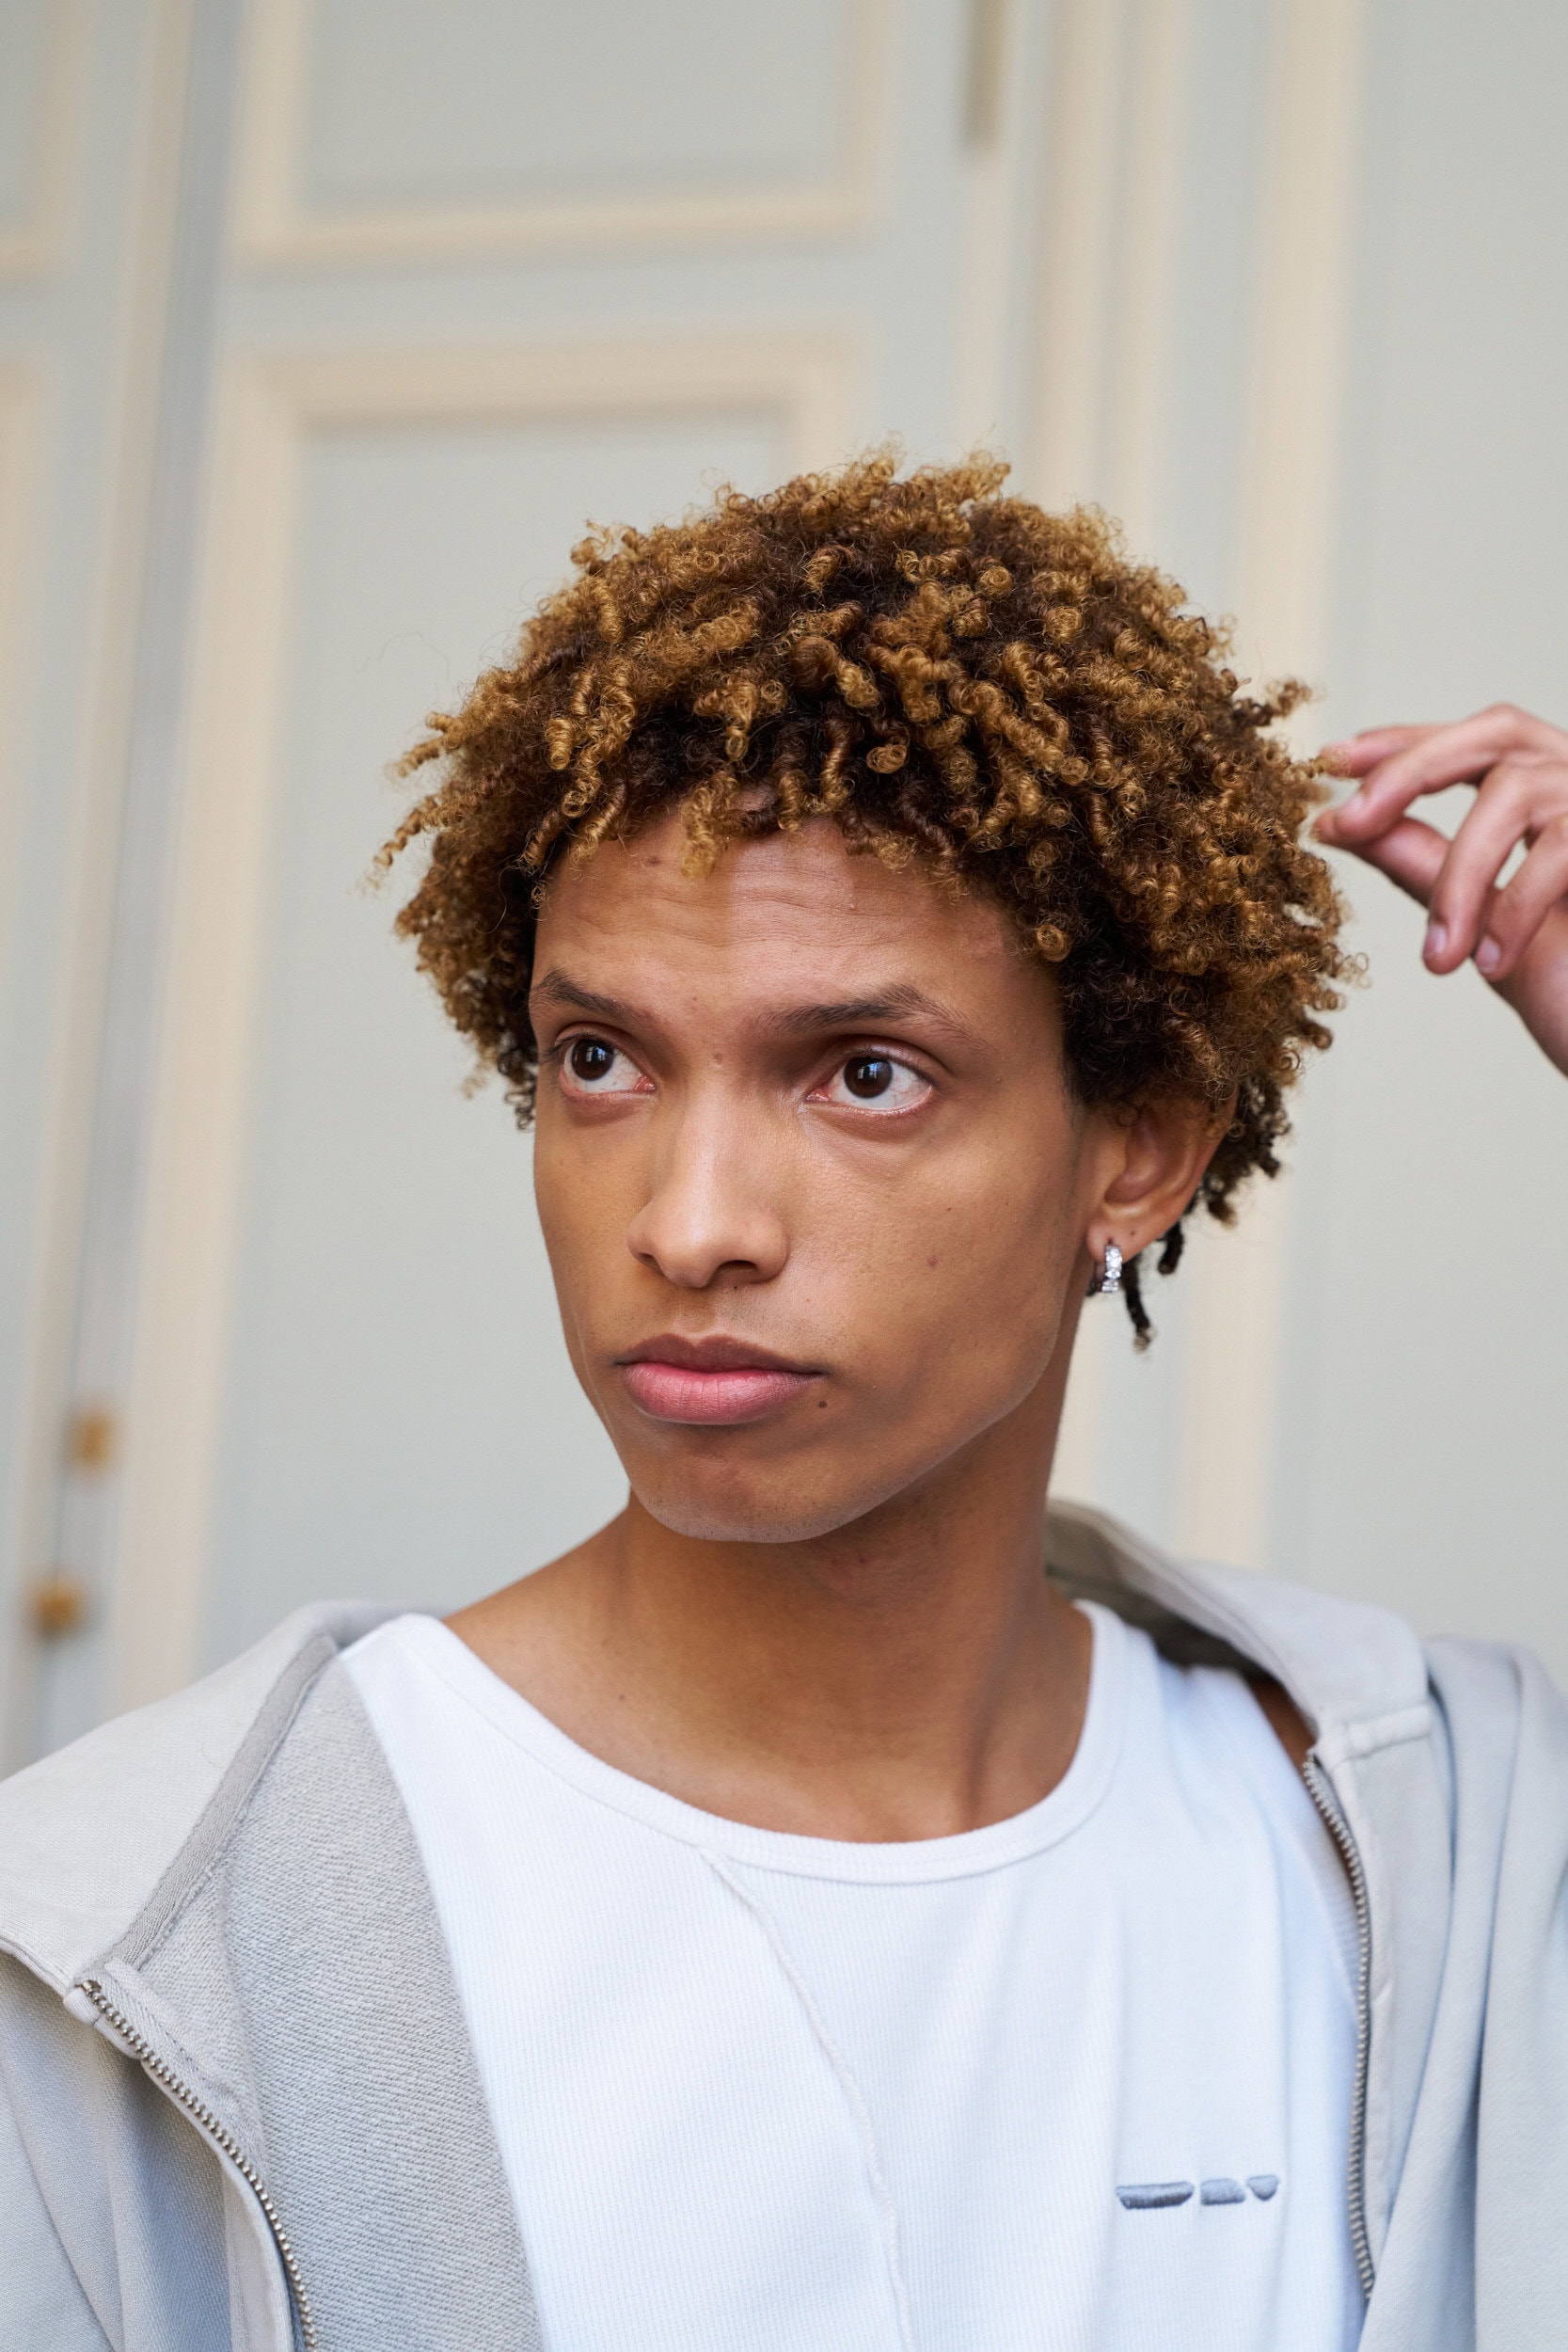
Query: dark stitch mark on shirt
point(1139, 2195)
point(1262, 2183)
point(1222, 2192)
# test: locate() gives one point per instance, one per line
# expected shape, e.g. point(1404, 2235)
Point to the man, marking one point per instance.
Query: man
point(792, 1919)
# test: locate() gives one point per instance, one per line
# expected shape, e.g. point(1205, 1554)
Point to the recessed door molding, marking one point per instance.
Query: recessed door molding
point(275, 226)
point(1114, 153)
point(272, 408)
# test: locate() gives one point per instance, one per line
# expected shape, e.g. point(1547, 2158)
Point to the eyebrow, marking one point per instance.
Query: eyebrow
point(848, 1012)
point(866, 1012)
point(556, 989)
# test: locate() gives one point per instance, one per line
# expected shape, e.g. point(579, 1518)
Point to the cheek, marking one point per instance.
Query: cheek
point(575, 1195)
point(964, 1264)
point(551, 1193)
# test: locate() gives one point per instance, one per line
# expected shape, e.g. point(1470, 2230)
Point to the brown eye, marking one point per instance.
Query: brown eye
point(590, 1059)
point(594, 1070)
point(875, 1081)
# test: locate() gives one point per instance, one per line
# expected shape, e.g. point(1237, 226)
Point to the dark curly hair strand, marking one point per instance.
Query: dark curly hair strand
point(951, 675)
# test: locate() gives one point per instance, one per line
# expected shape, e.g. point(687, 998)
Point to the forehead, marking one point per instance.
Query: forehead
point(778, 913)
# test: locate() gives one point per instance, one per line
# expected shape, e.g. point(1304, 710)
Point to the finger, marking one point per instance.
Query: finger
point(1454, 755)
point(1460, 753)
point(1410, 853)
point(1461, 894)
point(1526, 899)
point(1359, 753)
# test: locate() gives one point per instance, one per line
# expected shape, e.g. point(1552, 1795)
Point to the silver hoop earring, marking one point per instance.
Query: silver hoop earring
point(1107, 1283)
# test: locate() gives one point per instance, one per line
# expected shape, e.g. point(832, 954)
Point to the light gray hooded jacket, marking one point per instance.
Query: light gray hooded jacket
point(239, 2107)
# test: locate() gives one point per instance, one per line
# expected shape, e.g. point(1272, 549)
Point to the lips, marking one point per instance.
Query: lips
point(712, 1383)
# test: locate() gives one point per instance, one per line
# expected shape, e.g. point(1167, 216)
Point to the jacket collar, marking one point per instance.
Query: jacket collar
point(1356, 1672)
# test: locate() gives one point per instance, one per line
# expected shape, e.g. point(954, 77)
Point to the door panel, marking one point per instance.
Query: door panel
point(391, 133)
point(346, 1373)
point(402, 1417)
point(484, 102)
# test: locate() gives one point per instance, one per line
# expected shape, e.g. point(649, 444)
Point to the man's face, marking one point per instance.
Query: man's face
point(813, 1185)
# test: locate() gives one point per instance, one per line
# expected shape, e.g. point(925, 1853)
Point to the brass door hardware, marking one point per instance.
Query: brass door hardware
point(58, 1604)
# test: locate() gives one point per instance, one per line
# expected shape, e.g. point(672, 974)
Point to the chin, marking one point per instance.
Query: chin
point(742, 1511)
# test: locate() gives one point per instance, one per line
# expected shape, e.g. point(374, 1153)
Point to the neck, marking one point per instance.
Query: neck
point(910, 1674)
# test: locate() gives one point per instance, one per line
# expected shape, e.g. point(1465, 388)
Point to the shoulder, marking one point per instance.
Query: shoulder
point(1504, 1722)
point(1341, 1662)
point(86, 1834)
point(1487, 1715)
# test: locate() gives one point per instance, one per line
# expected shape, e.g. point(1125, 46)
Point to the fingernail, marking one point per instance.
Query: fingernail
point(1488, 956)
point(1436, 939)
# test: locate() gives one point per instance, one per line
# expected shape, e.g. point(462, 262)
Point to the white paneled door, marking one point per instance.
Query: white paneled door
point(455, 280)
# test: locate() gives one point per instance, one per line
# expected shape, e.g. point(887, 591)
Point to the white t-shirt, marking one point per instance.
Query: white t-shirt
point(1080, 2080)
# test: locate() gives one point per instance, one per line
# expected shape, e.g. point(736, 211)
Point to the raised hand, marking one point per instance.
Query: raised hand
point(1518, 935)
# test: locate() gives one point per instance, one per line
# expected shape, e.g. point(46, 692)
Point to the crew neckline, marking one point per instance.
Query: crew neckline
point(440, 1652)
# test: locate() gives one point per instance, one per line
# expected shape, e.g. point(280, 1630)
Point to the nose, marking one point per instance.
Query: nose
point(713, 1217)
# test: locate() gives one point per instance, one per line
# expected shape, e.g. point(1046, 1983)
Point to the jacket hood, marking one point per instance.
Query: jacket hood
point(1354, 1670)
point(88, 1835)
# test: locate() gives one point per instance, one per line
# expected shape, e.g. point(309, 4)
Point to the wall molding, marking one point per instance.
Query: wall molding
point(1301, 326)
point(21, 452)
point(997, 111)
point(1095, 426)
point(272, 408)
point(1113, 165)
point(1138, 333)
point(1078, 263)
point(1288, 508)
point(95, 789)
point(1118, 91)
point(274, 227)
point(34, 242)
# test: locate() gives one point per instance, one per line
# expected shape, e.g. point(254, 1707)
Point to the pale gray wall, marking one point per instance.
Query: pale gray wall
point(1430, 1369)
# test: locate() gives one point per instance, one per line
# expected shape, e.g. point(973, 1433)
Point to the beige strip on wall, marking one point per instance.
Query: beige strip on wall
point(1115, 150)
point(1232, 1422)
point(1118, 82)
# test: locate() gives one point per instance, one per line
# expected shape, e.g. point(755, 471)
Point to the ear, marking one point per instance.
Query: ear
point(1153, 1161)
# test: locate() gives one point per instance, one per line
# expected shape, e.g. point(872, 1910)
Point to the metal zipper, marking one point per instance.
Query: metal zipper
point(202, 2116)
point(1322, 1794)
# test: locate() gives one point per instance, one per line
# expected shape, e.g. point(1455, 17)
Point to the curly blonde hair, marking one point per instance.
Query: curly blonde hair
point(951, 675)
